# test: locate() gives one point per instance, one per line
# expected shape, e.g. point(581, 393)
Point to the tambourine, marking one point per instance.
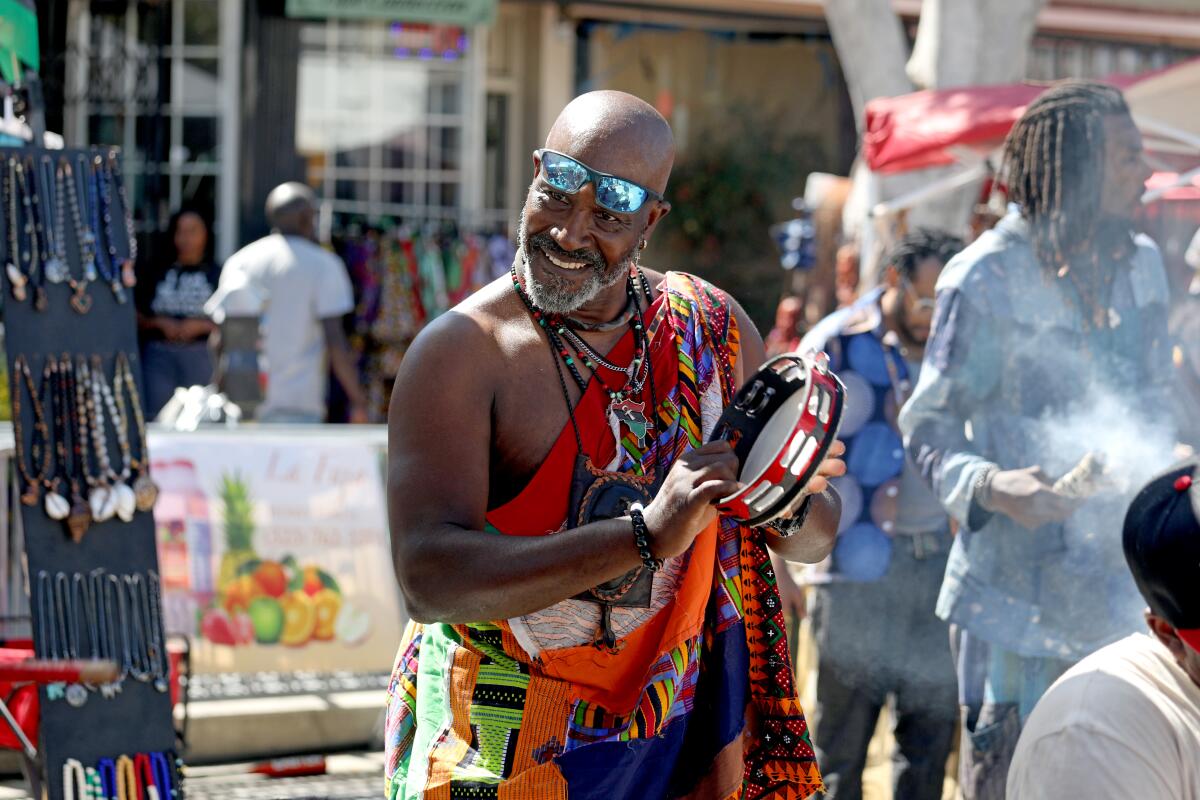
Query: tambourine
point(781, 425)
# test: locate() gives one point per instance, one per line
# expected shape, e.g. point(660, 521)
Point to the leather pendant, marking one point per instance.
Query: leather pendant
point(79, 520)
point(31, 496)
point(17, 282)
point(128, 276)
point(146, 492)
point(40, 301)
point(81, 302)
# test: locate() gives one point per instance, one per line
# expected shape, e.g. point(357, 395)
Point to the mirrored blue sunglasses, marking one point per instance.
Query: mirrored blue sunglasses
point(615, 194)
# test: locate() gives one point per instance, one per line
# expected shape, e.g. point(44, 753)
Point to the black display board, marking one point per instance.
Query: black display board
point(139, 718)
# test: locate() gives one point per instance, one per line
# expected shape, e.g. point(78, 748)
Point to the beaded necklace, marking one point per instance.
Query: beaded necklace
point(17, 279)
point(39, 447)
point(144, 488)
point(91, 420)
point(54, 254)
point(57, 507)
point(103, 188)
point(102, 394)
point(80, 518)
point(128, 276)
point(67, 192)
point(624, 411)
point(33, 229)
point(84, 205)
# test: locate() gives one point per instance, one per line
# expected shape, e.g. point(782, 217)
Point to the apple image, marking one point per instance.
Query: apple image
point(267, 616)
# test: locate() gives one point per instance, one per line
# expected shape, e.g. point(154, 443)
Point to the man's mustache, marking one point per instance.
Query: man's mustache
point(546, 242)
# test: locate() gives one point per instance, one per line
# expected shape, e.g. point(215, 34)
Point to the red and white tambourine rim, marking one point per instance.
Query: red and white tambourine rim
point(795, 401)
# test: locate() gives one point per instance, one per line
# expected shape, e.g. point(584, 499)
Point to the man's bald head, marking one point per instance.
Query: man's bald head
point(290, 209)
point(617, 133)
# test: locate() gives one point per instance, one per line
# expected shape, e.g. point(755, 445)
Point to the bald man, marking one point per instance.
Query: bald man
point(584, 625)
point(306, 293)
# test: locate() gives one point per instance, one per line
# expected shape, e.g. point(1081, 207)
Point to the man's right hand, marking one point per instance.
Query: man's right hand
point(686, 503)
point(1027, 497)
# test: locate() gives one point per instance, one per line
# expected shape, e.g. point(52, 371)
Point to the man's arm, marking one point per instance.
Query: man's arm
point(341, 361)
point(814, 541)
point(963, 364)
point(439, 444)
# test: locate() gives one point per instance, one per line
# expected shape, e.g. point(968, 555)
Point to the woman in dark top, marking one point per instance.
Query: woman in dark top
point(172, 321)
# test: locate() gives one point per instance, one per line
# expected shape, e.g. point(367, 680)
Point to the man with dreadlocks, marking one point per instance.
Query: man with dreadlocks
point(1057, 306)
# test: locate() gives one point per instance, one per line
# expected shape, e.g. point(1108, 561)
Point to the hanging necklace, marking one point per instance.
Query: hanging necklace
point(128, 276)
point(66, 193)
point(82, 214)
point(620, 321)
point(90, 411)
point(623, 409)
point(39, 454)
point(17, 279)
point(162, 666)
point(57, 507)
point(27, 186)
point(123, 496)
point(54, 256)
point(80, 518)
point(68, 627)
point(144, 488)
point(104, 225)
point(114, 596)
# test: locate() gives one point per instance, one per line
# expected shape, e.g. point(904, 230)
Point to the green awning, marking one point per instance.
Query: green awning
point(18, 38)
point(445, 12)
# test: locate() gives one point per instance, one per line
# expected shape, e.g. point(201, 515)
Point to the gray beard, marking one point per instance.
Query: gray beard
point(559, 295)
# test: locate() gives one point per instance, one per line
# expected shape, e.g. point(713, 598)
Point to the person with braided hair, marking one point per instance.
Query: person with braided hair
point(1061, 304)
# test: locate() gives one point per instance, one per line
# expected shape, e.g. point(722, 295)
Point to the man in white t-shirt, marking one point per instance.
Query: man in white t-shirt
point(305, 293)
point(1125, 722)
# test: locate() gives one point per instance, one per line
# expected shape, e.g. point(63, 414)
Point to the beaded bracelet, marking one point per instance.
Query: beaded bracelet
point(790, 526)
point(641, 538)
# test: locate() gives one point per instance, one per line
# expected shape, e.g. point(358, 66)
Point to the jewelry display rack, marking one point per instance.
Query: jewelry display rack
point(91, 323)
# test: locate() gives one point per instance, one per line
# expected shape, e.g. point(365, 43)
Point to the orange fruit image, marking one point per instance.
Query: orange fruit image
point(327, 604)
point(299, 619)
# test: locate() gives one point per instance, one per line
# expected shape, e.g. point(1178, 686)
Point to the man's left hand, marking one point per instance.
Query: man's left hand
point(832, 467)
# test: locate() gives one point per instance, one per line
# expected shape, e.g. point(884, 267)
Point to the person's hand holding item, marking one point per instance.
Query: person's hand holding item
point(1026, 496)
point(685, 505)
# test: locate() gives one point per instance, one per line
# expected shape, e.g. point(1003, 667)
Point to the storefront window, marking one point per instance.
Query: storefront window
point(153, 79)
point(380, 118)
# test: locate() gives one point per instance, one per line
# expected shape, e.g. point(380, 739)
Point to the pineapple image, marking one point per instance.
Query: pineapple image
point(239, 528)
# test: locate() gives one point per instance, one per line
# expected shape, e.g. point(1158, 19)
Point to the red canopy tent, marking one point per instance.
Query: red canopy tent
point(934, 128)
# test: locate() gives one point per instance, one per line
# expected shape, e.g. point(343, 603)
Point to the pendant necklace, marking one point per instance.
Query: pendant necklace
point(40, 453)
point(57, 506)
point(139, 662)
point(114, 595)
point(83, 607)
point(128, 276)
point(68, 626)
point(80, 518)
point(121, 496)
point(90, 410)
point(110, 260)
point(54, 255)
point(27, 186)
point(106, 643)
point(17, 279)
point(82, 214)
point(144, 488)
point(66, 192)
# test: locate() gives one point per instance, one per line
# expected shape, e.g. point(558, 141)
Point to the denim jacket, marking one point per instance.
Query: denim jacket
point(1010, 365)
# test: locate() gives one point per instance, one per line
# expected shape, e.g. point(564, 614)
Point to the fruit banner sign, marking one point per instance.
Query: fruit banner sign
point(274, 551)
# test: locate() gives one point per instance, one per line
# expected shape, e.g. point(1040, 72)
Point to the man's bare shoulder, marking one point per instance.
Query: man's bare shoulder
point(469, 338)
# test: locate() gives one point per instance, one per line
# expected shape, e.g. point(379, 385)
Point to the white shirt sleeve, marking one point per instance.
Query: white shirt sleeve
point(335, 296)
point(1081, 762)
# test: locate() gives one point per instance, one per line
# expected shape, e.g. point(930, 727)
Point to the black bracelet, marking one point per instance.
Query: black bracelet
point(789, 526)
point(641, 538)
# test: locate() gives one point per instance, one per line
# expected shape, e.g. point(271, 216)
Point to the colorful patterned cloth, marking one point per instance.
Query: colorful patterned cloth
point(697, 698)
